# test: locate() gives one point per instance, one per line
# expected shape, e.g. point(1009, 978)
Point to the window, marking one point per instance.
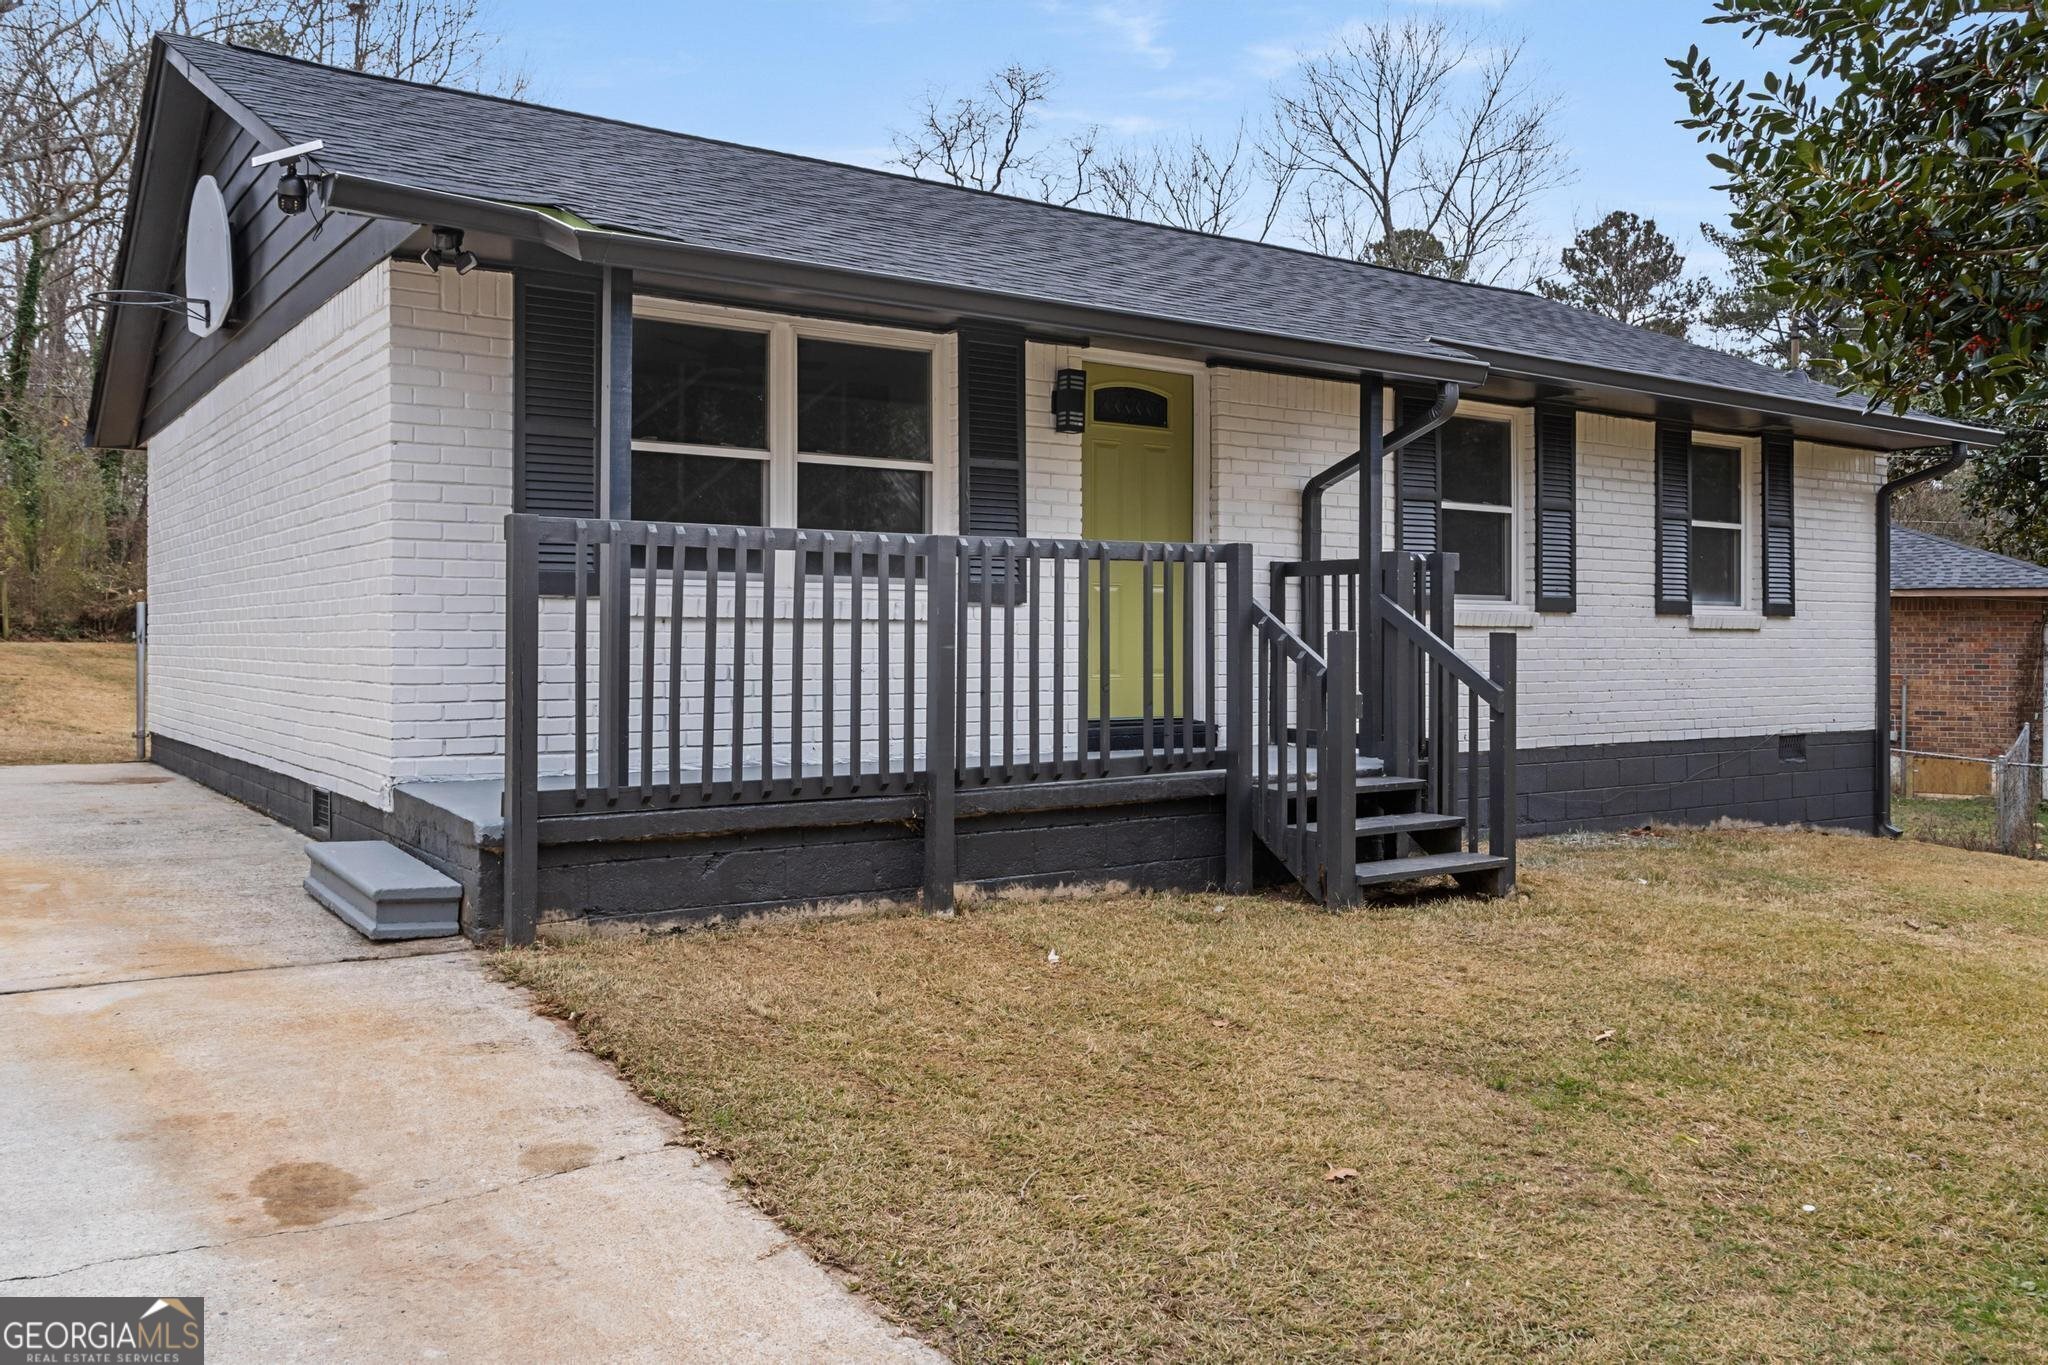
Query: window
point(776, 421)
point(698, 390)
point(861, 409)
point(1477, 463)
point(1716, 526)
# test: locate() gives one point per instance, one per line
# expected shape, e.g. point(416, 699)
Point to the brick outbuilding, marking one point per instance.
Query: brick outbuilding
point(1968, 633)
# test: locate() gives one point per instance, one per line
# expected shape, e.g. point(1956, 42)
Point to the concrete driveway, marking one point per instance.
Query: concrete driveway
point(211, 1087)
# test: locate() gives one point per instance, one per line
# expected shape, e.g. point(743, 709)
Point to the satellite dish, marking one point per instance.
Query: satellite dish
point(209, 260)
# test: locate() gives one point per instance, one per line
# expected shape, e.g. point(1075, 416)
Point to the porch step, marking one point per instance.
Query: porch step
point(1433, 865)
point(1368, 785)
point(1408, 823)
point(381, 892)
point(1367, 765)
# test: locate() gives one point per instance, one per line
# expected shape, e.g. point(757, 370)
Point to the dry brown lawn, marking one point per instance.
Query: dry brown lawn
point(1712, 1095)
point(66, 702)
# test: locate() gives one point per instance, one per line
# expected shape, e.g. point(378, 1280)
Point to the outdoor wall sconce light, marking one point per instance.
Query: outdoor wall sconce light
point(1069, 400)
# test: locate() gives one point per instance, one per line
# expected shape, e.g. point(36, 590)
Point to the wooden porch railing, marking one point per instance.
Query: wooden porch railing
point(702, 666)
point(1308, 708)
point(1431, 713)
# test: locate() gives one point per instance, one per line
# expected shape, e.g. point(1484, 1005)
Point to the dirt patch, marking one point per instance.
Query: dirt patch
point(67, 702)
point(553, 1158)
point(124, 780)
point(298, 1194)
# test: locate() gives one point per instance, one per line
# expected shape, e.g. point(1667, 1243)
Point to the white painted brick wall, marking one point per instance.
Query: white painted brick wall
point(1615, 671)
point(271, 573)
point(1612, 672)
point(327, 561)
point(451, 356)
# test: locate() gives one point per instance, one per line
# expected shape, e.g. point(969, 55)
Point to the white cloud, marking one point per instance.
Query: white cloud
point(1138, 28)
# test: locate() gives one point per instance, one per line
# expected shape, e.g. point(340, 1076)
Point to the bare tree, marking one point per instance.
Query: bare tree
point(978, 140)
point(986, 141)
point(71, 75)
point(1421, 143)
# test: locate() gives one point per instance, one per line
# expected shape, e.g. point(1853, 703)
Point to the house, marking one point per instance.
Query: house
point(631, 523)
point(1969, 628)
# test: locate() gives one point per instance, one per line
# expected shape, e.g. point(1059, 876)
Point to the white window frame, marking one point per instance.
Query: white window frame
point(782, 457)
point(1520, 423)
point(1743, 473)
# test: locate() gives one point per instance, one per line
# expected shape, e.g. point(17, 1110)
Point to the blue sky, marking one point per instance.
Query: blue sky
point(832, 79)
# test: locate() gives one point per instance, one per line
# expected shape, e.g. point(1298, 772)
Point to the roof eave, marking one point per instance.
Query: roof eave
point(600, 247)
point(1911, 428)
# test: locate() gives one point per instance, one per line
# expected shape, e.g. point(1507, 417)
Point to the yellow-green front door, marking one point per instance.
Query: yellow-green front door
point(1137, 483)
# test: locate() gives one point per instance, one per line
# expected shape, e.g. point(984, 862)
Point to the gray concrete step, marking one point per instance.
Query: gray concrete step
point(381, 892)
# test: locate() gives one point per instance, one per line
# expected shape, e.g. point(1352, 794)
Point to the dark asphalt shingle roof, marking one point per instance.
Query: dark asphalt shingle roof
point(1925, 563)
point(718, 196)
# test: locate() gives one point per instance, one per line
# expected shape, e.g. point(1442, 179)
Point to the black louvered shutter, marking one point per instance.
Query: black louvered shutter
point(1674, 519)
point(555, 406)
point(1418, 484)
point(1779, 587)
point(991, 438)
point(1557, 517)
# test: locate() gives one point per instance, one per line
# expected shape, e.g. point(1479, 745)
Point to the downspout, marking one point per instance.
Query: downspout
point(1407, 433)
point(1957, 453)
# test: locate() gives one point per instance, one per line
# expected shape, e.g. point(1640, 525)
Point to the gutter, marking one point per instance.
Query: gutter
point(1523, 365)
point(1406, 434)
point(1881, 819)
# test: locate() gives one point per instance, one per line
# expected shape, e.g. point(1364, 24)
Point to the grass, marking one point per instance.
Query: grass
point(1961, 821)
point(67, 702)
point(1727, 1094)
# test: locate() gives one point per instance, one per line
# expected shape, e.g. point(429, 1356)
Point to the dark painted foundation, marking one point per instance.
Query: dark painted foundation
point(1166, 833)
point(1820, 779)
point(435, 836)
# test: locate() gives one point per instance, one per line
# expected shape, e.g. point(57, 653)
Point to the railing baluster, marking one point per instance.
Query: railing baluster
point(1082, 637)
point(1299, 677)
point(800, 570)
point(857, 695)
point(1145, 653)
point(647, 607)
point(1102, 603)
point(882, 699)
point(739, 660)
point(582, 663)
point(1472, 757)
point(675, 662)
point(769, 556)
point(1012, 566)
point(1209, 653)
point(828, 614)
point(988, 662)
point(1032, 602)
point(942, 570)
point(1501, 786)
point(909, 661)
point(963, 712)
point(614, 663)
point(706, 752)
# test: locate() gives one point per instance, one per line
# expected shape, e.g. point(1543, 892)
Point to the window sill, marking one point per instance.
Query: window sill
point(1494, 616)
point(1726, 620)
